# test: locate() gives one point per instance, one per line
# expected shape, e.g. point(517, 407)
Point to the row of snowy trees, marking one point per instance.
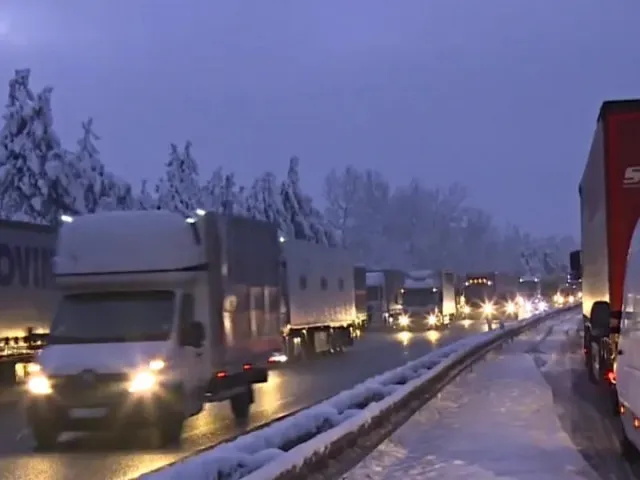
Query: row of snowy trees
point(409, 226)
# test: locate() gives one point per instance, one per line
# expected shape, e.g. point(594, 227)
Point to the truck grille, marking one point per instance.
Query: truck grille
point(89, 388)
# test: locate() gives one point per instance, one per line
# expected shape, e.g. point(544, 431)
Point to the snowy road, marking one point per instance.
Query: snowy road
point(521, 415)
point(291, 388)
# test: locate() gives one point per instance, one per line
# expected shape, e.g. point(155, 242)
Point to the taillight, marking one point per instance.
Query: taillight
point(611, 377)
point(221, 374)
point(246, 366)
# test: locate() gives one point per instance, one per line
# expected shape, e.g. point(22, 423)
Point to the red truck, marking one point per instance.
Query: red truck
point(609, 211)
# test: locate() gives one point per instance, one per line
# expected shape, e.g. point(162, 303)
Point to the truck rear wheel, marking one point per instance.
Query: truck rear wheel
point(170, 430)
point(241, 404)
point(45, 436)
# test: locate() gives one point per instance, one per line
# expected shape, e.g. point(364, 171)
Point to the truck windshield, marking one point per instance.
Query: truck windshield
point(104, 317)
point(528, 288)
point(478, 293)
point(419, 297)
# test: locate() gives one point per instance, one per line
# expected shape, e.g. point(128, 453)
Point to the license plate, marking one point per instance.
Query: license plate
point(87, 412)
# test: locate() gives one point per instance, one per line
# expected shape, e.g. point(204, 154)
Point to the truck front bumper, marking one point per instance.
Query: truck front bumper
point(114, 411)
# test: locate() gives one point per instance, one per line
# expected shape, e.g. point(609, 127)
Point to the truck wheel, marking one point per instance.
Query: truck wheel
point(45, 436)
point(170, 429)
point(241, 404)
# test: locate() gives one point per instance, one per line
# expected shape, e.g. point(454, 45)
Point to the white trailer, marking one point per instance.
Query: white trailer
point(158, 314)
point(319, 308)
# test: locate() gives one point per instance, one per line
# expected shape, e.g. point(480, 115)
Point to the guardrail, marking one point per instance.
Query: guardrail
point(318, 438)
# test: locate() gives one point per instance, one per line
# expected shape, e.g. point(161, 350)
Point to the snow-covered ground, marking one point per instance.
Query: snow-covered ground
point(496, 422)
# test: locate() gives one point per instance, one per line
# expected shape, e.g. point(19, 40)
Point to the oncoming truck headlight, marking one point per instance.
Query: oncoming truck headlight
point(432, 320)
point(146, 380)
point(487, 308)
point(39, 384)
point(511, 307)
point(143, 381)
point(403, 320)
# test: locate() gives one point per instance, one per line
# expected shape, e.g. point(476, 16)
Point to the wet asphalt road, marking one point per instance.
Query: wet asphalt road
point(110, 457)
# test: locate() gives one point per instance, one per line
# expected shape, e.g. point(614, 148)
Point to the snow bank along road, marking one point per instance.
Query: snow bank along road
point(523, 414)
point(316, 442)
point(290, 388)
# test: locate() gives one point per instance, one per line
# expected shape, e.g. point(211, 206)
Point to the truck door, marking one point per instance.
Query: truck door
point(628, 360)
point(194, 366)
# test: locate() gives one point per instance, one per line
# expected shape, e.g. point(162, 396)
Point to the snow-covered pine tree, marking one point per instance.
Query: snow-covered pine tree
point(212, 191)
point(37, 176)
point(179, 189)
point(292, 198)
point(145, 200)
point(229, 195)
point(116, 194)
point(14, 204)
point(264, 203)
point(90, 167)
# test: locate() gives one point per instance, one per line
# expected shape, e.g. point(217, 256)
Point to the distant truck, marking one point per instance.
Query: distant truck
point(360, 290)
point(428, 299)
point(27, 297)
point(319, 311)
point(609, 261)
point(384, 295)
point(490, 295)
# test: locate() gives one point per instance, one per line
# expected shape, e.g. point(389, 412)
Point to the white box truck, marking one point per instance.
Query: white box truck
point(319, 309)
point(157, 316)
point(27, 297)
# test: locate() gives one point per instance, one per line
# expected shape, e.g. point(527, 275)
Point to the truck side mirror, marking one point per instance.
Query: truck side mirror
point(193, 335)
point(600, 319)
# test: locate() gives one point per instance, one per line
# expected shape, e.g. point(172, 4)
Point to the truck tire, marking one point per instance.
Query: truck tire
point(170, 430)
point(241, 404)
point(45, 436)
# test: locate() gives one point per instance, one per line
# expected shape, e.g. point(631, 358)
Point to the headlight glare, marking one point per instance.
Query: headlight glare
point(39, 385)
point(142, 382)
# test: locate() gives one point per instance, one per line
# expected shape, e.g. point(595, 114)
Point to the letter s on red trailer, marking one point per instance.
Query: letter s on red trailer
point(632, 177)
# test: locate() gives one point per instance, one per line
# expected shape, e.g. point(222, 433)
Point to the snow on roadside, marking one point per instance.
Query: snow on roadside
point(278, 443)
point(497, 422)
point(238, 458)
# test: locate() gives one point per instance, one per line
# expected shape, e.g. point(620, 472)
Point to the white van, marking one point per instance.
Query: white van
point(627, 366)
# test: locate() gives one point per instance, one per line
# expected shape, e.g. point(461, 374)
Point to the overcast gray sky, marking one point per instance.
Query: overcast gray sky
point(500, 95)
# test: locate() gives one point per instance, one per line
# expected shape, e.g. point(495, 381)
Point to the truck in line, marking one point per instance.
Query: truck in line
point(27, 297)
point(146, 332)
point(384, 295)
point(428, 299)
point(490, 295)
point(609, 262)
point(360, 291)
point(318, 309)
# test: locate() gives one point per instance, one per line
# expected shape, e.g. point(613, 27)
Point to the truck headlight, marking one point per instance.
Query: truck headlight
point(432, 320)
point(403, 320)
point(142, 382)
point(571, 299)
point(487, 308)
point(39, 385)
point(511, 308)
